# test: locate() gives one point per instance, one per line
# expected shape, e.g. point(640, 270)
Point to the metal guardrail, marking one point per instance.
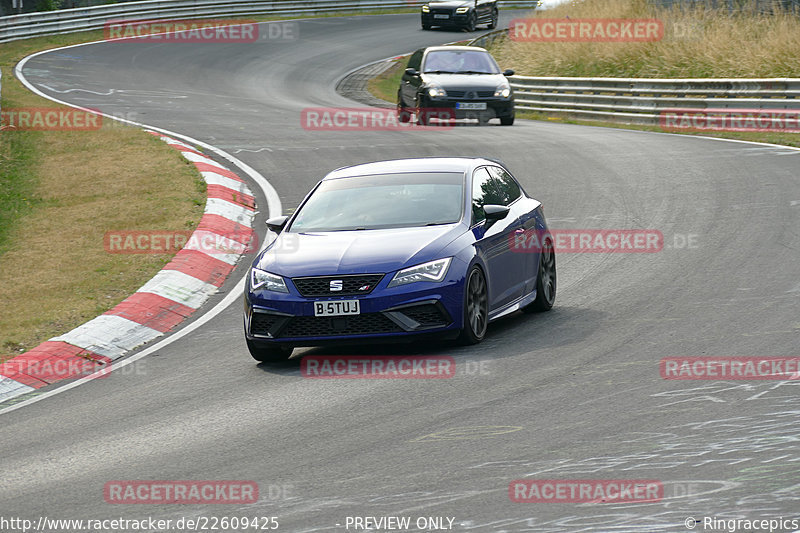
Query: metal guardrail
point(640, 101)
point(89, 18)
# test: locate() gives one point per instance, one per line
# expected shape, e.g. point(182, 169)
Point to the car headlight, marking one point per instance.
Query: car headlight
point(431, 271)
point(426, 9)
point(262, 280)
point(503, 91)
point(435, 91)
point(462, 10)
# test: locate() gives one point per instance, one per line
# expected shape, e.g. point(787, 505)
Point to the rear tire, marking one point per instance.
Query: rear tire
point(476, 308)
point(495, 17)
point(545, 281)
point(268, 354)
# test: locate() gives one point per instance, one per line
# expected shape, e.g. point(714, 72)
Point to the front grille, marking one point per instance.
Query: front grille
point(351, 285)
point(262, 323)
point(322, 326)
point(469, 95)
point(428, 315)
point(441, 11)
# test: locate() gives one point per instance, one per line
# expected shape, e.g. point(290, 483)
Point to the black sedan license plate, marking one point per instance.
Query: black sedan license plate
point(471, 105)
point(337, 308)
point(441, 16)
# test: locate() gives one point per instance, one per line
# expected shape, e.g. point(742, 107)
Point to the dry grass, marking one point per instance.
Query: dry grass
point(697, 43)
point(63, 191)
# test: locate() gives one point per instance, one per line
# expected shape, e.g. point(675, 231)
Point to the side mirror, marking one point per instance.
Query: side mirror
point(495, 212)
point(277, 224)
point(412, 72)
point(508, 72)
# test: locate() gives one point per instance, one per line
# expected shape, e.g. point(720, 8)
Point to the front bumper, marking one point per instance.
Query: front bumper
point(453, 20)
point(421, 308)
point(495, 107)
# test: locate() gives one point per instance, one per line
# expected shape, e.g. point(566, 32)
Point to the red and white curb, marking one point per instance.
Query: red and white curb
point(162, 303)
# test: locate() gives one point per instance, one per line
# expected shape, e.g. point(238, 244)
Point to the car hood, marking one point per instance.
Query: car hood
point(451, 4)
point(465, 81)
point(355, 252)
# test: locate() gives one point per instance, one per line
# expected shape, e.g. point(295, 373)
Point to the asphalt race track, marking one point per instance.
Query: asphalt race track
point(571, 394)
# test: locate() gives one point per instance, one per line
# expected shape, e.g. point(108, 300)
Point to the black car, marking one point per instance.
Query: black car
point(463, 80)
point(459, 14)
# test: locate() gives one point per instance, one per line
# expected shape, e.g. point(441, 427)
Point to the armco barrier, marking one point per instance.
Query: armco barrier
point(90, 18)
point(640, 101)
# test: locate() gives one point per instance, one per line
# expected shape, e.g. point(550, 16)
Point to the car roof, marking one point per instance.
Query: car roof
point(475, 48)
point(402, 166)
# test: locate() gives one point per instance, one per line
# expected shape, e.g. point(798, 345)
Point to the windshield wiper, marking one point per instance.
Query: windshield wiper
point(470, 72)
point(439, 72)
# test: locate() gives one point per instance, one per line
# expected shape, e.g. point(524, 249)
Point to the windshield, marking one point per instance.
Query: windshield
point(383, 201)
point(460, 62)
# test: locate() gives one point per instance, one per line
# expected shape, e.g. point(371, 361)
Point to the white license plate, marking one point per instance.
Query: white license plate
point(337, 308)
point(438, 16)
point(471, 105)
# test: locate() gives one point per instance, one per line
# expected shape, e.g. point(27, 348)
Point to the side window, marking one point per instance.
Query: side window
point(506, 185)
point(415, 61)
point(484, 192)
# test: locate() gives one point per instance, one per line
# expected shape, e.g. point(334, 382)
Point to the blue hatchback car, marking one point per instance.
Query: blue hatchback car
point(395, 250)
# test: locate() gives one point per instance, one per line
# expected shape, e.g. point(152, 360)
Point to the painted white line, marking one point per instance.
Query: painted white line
point(273, 206)
point(109, 335)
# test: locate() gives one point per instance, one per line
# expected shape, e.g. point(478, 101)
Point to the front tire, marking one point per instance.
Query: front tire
point(476, 308)
point(268, 354)
point(403, 115)
point(472, 22)
point(507, 121)
point(545, 280)
point(426, 27)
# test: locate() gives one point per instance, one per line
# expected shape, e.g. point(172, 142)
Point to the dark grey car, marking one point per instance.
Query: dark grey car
point(464, 81)
point(464, 14)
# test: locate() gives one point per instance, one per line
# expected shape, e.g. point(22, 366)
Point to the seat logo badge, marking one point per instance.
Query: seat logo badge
point(336, 285)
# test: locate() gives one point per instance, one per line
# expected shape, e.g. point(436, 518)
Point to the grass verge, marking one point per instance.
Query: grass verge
point(60, 191)
point(697, 43)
